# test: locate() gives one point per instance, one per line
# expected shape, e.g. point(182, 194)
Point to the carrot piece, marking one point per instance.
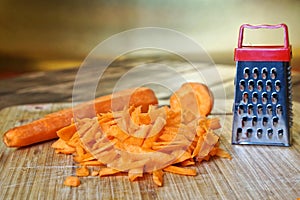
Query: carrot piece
point(92, 163)
point(87, 157)
point(223, 154)
point(214, 123)
point(82, 171)
point(95, 173)
point(72, 181)
point(80, 151)
point(45, 128)
point(187, 163)
point(74, 141)
point(180, 170)
point(107, 171)
point(61, 146)
point(67, 132)
point(65, 151)
point(198, 146)
point(182, 156)
point(133, 174)
point(157, 177)
point(125, 165)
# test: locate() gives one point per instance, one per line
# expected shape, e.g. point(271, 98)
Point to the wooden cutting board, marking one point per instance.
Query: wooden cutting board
point(255, 172)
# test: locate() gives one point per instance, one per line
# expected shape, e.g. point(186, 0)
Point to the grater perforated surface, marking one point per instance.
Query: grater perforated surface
point(262, 105)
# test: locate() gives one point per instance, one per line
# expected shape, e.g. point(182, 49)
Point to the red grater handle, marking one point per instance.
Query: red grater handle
point(264, 26)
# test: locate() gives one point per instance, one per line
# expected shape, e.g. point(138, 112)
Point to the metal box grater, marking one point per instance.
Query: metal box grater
point(262, 110)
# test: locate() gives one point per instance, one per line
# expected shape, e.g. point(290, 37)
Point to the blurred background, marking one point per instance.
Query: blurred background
point(48, 35)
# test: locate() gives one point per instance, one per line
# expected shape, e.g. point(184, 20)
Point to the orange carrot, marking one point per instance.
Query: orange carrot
point(45, 128)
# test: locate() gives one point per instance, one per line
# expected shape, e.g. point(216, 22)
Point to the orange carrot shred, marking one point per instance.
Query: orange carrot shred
point(108, 171)
point(72, 181)
point(82, 171)
point(67, 132)
point(158, 177)
point(180, 170)
point(133, 174)
point(119, 142)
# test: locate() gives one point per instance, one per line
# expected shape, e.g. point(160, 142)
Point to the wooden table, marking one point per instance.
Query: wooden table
point(36, 172)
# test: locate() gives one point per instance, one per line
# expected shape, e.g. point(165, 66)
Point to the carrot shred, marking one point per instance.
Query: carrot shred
point(187, 163)
point(223, 154)
point(72, 181)
point(95, 173)
point(67, 132)
point(138, 141)
point(180, 170)
point(82, 171)
point(133, 174)
point(74, 141)
point(107, 171)
point(92, 163)
point(158, 177)
point(62, 147)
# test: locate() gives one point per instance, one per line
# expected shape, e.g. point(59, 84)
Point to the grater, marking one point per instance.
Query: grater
point(262, 109)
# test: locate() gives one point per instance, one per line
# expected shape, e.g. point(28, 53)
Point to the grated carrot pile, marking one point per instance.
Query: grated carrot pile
point(160, 140)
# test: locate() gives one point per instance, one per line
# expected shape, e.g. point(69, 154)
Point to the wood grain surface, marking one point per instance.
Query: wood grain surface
point(255, 172)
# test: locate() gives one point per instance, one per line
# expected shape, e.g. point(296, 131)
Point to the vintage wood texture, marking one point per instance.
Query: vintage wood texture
point(255, 172)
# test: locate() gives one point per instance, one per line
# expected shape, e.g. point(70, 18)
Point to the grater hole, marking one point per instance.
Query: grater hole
point(269, 109)
point(264, 73)
point(254, 121)
point(238, 133)
point(277, 86)
point(274, 98)
point(250, 109)
point(259, 109)
point(259, 85)
point(242, 85)
point(275, 121)
point(264, 98)
point(265, 121)
point(249, 132)
point(273, 73)
point(255, 73)
point(250, 85)
point(259, 133)
point(239, 130)
point(268, 86)
point(280, 133)
point(254, 97)
point(279, 110)
point(241, 109)
point(245, 97)
point(270, 132)
point(244, 121)
point(246, 73)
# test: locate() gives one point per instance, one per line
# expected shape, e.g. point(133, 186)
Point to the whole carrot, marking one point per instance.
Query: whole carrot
point(45, 128)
